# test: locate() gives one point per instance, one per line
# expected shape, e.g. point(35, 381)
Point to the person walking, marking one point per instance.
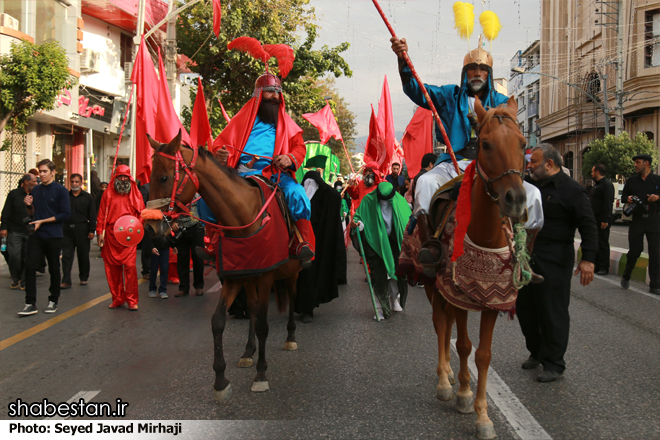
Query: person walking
point(78, 231)
point(13, 226)
point(643, 190)
point(49, 205)
point(542, 308)
point(602, 201)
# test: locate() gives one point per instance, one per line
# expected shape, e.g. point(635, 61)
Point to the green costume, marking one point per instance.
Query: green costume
point(382, 250)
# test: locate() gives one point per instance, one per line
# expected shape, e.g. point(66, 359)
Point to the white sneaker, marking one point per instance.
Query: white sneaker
point(163, 295)
point(396, 307)
point(52, 307)
point(153, 294)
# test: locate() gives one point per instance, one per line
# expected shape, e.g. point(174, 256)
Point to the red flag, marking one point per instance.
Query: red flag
point(217, 15)
point(145, 80)
point(418, 140)
point(167, 121)
point(224, 113)
point(386, 125)
point(200, 128)
point(375, 150)
point(324, 120)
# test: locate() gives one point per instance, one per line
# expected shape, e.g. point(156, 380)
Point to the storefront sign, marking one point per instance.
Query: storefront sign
point(95, 105)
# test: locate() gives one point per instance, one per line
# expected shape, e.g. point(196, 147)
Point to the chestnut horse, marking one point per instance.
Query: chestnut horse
point(498, 192)
point(235, 203)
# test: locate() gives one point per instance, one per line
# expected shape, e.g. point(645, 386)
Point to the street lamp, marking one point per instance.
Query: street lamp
point(603, 106)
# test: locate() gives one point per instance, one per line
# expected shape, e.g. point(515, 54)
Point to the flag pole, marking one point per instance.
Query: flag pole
point(350, 163)
point(445, 138)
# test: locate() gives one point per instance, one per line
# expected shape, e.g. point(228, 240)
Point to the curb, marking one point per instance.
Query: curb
point(618, 260)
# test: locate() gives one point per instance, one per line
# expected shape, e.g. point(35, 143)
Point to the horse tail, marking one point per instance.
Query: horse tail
point(281, 295)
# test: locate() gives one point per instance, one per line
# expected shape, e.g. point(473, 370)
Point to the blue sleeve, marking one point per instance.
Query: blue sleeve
point(64, 206)
point(414, 91)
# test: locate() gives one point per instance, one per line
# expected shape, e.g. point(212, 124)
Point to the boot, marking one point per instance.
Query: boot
point(305, 235)
point(431, 250)
point(531, 238)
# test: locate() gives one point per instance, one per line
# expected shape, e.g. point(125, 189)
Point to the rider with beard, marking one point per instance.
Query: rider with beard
point(357, 189)
point(121, 198)
point(252, 137)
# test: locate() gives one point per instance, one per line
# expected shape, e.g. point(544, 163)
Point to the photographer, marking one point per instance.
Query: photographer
point(642, 192)
point(49, 205)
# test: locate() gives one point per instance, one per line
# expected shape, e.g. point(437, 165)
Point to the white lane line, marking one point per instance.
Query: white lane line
point(524, 424)
point(215, 288)
point(86, 395)
point(618, 283)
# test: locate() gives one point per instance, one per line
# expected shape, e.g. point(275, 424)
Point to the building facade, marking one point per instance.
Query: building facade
point(580, 47)
point(524, 86)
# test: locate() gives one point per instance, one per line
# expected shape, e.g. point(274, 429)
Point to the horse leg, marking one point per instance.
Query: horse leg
point(291, 343)
point(449, 313)
point(260, 383)
point(484, 426)
point(222, 387)
point(444, 390)
point(464, 348)
point(251, 346)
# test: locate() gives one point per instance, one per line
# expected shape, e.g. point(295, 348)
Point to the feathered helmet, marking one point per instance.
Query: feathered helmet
point(283, 53)
point(464, 23)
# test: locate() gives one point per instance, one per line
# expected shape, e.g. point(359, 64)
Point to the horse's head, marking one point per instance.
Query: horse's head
point(166, 187)
point(501, 157)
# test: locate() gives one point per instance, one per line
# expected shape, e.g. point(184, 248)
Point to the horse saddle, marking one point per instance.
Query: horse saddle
point(279, 196)
point(440, 202)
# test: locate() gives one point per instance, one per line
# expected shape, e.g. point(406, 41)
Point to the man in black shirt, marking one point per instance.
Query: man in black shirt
point(78, 231)
point(49, 203)
point(542, 309)
point(602, 201)
point(13, 227)
point(646, 220)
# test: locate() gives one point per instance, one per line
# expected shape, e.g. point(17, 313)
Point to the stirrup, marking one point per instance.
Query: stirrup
point(304, 254)
point(536, 278)
point(429, 257)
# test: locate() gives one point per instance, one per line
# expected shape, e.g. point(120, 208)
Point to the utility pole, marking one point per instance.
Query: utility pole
point(619, 71)
point(136, 44)
point(170, 49)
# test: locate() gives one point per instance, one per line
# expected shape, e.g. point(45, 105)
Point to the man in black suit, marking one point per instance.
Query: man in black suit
point(602, 200)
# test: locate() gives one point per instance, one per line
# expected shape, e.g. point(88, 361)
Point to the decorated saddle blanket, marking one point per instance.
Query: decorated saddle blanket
point(481, 279)
point(260, 252)
point(408, 262)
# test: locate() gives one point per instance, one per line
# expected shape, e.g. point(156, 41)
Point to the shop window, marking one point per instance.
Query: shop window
point(652, 39)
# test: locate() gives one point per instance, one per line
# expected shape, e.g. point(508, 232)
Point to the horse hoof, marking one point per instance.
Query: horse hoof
point(464, 404)
point(485, 430)
point(290, 346)
point(260, 387)
point(224, 395)
point(451, 377)
point(245, 363)
point(445, 394)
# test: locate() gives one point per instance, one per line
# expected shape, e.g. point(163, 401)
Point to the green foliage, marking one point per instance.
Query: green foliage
point(616, 154)
point(31, 77)
point(230, 75)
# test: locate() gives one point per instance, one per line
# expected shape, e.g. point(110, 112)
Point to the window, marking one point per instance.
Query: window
point(568, 162)
point(652, 39)
point(126, 47)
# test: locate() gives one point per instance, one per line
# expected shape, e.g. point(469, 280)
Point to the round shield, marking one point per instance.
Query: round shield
point(128, 230)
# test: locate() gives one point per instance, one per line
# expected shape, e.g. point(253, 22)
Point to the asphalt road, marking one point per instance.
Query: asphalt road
point(619, 236)
point(351, 377)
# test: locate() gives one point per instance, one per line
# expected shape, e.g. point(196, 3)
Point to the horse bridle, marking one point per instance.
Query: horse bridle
point(487, 180)
point(177, 188)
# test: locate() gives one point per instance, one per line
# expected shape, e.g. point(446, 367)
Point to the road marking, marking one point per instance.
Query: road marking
point(51, 322)
point(86, 395)
point(523, 423)
point(618, 283)
point(215, 288)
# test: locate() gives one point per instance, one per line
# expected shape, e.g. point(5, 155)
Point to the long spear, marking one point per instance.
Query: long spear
point(426, 94)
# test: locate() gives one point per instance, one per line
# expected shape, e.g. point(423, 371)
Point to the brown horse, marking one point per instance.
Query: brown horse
point(498, 192)
point(235, 203)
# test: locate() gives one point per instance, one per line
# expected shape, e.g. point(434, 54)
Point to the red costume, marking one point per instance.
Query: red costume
point(357, 193)
point(119, 260)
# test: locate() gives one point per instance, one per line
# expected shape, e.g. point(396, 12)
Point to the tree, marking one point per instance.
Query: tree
point(31, 77)
point(230, 75)
point(616, 153)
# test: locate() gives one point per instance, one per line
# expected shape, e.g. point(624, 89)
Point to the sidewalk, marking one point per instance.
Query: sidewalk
point(618, 262)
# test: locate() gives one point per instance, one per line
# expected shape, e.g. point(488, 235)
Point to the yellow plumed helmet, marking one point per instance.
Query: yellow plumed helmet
point(478, 56)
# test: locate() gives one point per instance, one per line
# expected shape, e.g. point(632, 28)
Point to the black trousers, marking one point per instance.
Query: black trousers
point(639, 227)
point(146, 245)
point(17, 250)
point(38, 248)
point(190, 239)
point(75, 239)
point(603, 255)
point(542, 309)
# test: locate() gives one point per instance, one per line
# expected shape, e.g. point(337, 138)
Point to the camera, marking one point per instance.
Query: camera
point(26, 222)
point(636, 201)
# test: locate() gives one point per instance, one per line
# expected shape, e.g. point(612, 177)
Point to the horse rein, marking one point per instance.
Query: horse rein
point(482, 174)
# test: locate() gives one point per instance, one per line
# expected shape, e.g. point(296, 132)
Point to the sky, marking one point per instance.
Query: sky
point(434, 46)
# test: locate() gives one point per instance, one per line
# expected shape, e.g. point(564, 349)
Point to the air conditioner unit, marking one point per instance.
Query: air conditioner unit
point(90, 61)
point(8, 21)
point(128, 70)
